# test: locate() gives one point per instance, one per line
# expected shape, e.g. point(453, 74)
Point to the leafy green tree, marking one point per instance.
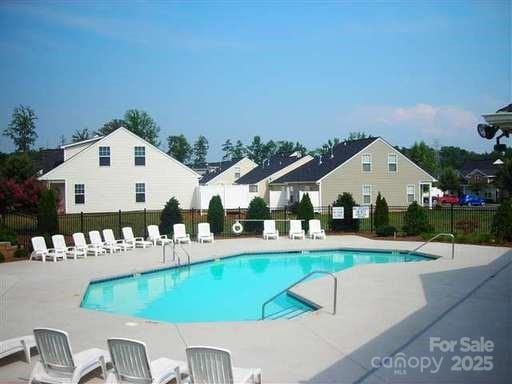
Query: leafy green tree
point(143, 125)
point(502, 222)
point(477, 185)
point(179, 148)
point(19, 167)
point(346, 201)
point(256, 150)
point(216, 214)
point(81, 135)
point(504, 178)
point(449, 180)
point(110, 126)
point(305, 210)
point(381, 215)
point(424, 156)
point(416, 220)
point(171, 214)
point(325, 149)
point(200, 152)
point(257, 210)
point(357, 136)
point(47, 219)
point(22, 128)
point(239, 151)
point(454, 157)
point(286, 148)
point(227, 148)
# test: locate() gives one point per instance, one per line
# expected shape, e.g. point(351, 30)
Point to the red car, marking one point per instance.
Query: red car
point(448, 199)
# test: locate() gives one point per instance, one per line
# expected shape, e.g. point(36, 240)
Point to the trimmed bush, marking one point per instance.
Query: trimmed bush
point(416, 220)
point(171, 214)
point(257, 210)
point(21, 253)
point(216, 215)
point(305, 211)
point(2, 257)
point(502, 222)
point(381, 214)
point(7, 234)
point(385, 230)
point(47, 220)
point(348, 223)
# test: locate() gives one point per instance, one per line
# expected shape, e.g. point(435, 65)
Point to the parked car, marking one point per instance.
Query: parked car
point(447, 199)
point(471, 200)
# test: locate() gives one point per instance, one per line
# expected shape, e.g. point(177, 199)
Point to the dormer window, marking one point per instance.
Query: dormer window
point(366, 160)
point(140, 155)
point(392, 163)
point(104, 155)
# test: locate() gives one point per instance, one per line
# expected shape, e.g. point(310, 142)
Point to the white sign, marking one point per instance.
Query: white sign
point(338, 213)
point(360, 212)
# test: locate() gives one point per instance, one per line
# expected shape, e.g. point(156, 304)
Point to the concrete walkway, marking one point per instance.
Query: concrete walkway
point(386, 310)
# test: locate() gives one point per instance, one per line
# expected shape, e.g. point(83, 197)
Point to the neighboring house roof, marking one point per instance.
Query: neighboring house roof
point(507, 108)
point(48, 159)
point(268, 168)
point(320, 166)
point(220, 167)
point(486, 167)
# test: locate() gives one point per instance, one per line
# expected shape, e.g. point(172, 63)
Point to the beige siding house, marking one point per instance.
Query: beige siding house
point(363, 168)
point(119, 171)
point(227, 172)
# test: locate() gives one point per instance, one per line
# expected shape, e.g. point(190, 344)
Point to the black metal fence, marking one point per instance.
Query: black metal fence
point(454, 219)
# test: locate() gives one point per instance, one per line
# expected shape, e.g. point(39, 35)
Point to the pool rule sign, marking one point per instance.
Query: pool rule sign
point(360, 212)
point(338, 213)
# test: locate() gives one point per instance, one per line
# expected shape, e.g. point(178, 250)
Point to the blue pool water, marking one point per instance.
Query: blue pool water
point(229, 289)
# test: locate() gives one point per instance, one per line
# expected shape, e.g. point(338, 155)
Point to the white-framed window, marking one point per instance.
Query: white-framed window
point(79, 193)
point(392, 163)
point(366, 160)
point(140, 155)
point(140, 192)
point(237, 173)
point(253, 188)
point(104, 155)
point(367, 194)
point(411, 193)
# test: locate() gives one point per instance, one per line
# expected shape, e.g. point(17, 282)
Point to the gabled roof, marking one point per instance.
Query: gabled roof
point(221, 166)
point(91, 140)
point(485, 166)
point(320, 166)
point(507, 108)
point(268, 168)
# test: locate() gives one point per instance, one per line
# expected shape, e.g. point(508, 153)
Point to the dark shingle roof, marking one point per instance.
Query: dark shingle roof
point(316, 169)
point(270, 166)
point(485, 166)
point(220, 166)
point(47, 159)
point(507, 108)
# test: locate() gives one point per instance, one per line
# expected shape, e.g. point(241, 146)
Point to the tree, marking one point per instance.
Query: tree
point(47, 219)
point(476, 185)
point(305, 210)
point(348, 223)
point(326, 149)
point(227, 148)
point(256, 150)
point(200, 152)
point(286, 148)
point(357, 136)
point(416, 220)
point(22, 128)
point(502, 222)
point(18, 167)
point(143, 125)
point(110, 126)
point(171, 214)
point(424, 156)
point(179, 148)
point(504, 178)
point(257, 210)
point(20, 196)
point(381, 215)
point(216, 215)
point(81, 135)
point(239, 151)
point(449, 180)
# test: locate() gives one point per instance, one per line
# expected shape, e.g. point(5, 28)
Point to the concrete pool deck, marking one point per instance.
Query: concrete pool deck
point(383, 310)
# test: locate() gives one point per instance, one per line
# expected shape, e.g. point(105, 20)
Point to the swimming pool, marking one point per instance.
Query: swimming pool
point(228, 289)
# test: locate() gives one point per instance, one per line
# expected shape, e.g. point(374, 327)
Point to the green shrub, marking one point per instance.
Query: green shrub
point(475, 238)
point(502, 222)
point(20, 253)
point(305, 211)
point(348, 223)
point(7, 234)
point(171, 214)
point(385, 230)
point(466, 226)
point(257, 210)
point(47, 220)
point(416, 220)
point(381, 215)
point(2, 257)
point(216, 214)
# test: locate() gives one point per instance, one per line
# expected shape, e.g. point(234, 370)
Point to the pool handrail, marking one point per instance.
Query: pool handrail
point(335, 290)
point(174, 255)
point(450, 235)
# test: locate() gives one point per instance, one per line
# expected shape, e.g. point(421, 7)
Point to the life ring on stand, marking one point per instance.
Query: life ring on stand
point(237, 228)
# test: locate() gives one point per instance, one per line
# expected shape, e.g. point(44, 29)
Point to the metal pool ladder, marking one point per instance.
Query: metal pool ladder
point(335, 290)
point(450, 235)
point(174, 254)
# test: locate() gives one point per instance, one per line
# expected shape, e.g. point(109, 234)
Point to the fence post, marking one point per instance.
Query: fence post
point(239, 213)
point(81, 222)
point(145, 224)
point(119, 224)
point(451, 218)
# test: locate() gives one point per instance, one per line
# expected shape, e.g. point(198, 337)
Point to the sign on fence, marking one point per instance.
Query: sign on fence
point(360, 212)
point(338, 213)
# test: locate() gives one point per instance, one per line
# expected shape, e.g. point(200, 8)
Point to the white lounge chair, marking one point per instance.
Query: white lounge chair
point(42, 252)
point(132, 365)
point(59, 244)
point(269, 230)
point(58, 364)
point(203, 233)
point(296, 231)
point(110, 239)
point(315, 231)
point(135, 241)
point(180, 234)
point(96, 241)
point(80, 243)
point(11, 346)
point(155, 237)
point(213, 365)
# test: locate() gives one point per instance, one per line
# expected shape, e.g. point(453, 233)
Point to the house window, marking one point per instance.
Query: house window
point(367, 162)
point(237, 173)
point(79, 193)
point(253, 188)
point(140, 192)
point(411, 194)
point(104, 153)
point(140, 155)
point(367, 194)
point(392, 162)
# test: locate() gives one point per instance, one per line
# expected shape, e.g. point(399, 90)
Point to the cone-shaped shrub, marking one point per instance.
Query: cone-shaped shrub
point(47, 219)
point(171, 214)
point(257, 210)
point(416, 220)
point(216, 215)
point(305, 211)
point(348, 223)
point(381, 216)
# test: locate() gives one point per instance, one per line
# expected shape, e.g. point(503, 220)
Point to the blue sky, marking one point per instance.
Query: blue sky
point(302, 71)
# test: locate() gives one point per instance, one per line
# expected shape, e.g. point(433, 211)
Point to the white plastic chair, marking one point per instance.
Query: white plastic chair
point(132, 365)
point(59, 244)
point(80, 243)
point(17, 344)
point(155, 237)
point(315, 231)
point(96, 241)
point(59, 364)
point(180, 234)
point(203, 233)
point(269, 230)
point(213, 365)
point(296, 231)
point(110, 239)
point(136, 241)
point(42, 252)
